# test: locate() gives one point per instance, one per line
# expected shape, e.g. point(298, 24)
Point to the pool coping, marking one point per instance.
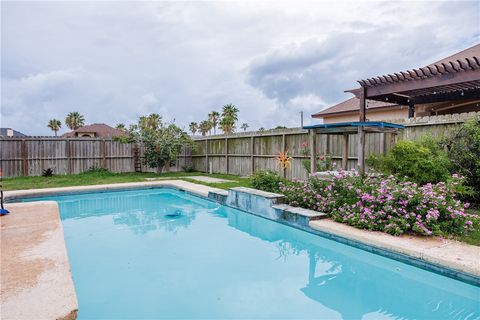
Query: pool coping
point(432, 255)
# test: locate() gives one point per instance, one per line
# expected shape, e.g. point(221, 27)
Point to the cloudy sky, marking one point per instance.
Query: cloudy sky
point(115, 61)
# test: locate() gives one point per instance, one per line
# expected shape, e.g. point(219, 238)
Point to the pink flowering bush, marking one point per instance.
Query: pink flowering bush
point(383, 203)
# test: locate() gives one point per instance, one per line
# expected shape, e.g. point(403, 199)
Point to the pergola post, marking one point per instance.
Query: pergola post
point(361, 132)
point(313, 151)
point(345, 152)
point(411, 109)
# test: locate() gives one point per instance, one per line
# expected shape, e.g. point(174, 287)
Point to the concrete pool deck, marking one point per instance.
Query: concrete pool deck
point(36, 281)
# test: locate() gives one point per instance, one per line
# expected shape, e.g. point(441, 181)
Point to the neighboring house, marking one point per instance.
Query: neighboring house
point(382, 111)
point(96, 130)
point(10, 133)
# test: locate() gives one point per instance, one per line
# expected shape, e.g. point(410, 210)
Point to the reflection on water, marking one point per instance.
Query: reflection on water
point(133, 257)
point(134, 210)
point(356, 283)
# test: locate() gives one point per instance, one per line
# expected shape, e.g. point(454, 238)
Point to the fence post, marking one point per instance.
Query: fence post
point(24, 158)
point(345, 152)
point(252, 150)
point(226, 154)
point(68, 156)
point(361, 149)
point(104, 154)
point(313, 151)
point(206, 155)
point(284, 170)
point(382, 143)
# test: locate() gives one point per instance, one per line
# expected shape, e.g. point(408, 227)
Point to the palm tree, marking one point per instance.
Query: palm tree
point(151, 122)
point(213, 117)
point(229, 110)
point(244, 126)
point(227, 124)
point(204, 127)
point(121, 126)
point(193, 126)
point(55, 125)
point(74, 120)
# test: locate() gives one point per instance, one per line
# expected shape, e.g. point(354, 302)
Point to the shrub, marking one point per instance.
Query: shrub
point(188, 168)
point(463, 149)
point(97, 169)
point(267, 181)
point(47, 172)
point(420, 161)
point(383, 203)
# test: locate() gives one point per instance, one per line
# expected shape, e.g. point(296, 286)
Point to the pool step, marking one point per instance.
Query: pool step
point(266, 204)
point(219, 196)
point(297, 216)
point(254, 201)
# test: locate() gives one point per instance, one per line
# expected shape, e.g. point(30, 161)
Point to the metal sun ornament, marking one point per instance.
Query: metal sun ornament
point(284, 160)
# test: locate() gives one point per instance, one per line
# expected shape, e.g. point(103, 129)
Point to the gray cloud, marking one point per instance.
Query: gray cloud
point(327, 67)
point(116, 61)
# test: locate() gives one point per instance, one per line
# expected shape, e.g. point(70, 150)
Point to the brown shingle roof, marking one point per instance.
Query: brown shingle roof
point(101, 130)
point(351, 105)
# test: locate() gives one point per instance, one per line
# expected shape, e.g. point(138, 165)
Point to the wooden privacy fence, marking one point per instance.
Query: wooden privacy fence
point(245, 153)
point(30, 156)
point(241, 154)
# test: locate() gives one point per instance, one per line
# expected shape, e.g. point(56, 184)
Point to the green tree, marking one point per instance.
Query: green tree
point(227, 124)
point(213, 117)
point(244, 126)
point(152, 121)
point(74, 120)
point(162, 141)
point(204, 127)
point(121, 126)
point(230, 110)
point(193, 126)
point(55, 125)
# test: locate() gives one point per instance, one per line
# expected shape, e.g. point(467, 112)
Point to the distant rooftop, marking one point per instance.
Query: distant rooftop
point(100, 130)
point(9, 132)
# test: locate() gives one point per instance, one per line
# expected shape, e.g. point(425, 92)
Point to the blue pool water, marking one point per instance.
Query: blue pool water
point(131, 257)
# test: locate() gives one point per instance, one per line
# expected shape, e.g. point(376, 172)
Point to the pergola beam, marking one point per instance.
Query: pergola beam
point(420, 83)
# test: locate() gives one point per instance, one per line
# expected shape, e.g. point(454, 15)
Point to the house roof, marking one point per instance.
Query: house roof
point(463, 60)
point(352, 105)
point(101, 130)
point(3, 133)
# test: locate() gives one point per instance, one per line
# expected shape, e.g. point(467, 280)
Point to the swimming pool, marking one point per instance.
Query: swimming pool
point(132, 256)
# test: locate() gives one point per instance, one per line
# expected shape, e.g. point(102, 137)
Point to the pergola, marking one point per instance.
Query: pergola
point(445, 81)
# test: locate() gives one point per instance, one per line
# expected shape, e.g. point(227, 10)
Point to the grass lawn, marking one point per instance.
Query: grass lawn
point(91, 178)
